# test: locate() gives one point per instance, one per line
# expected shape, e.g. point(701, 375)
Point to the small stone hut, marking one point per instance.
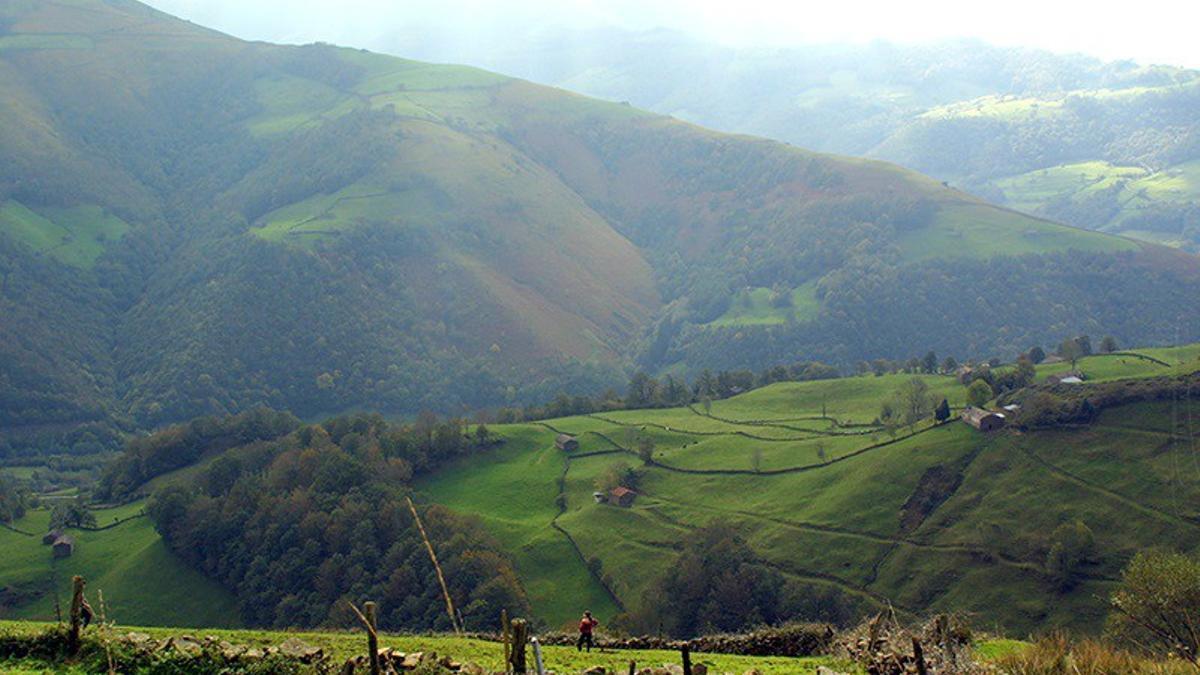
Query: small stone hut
point(984, 420)
point(51, 537)
point(566, 443)
point(621, 496)
point(63, 547)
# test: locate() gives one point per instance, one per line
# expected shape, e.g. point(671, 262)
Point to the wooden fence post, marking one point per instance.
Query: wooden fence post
point(372, 638)
point(76, 615)
point(686, 652)
point(504, 627)
point(520, 635)
point(632, 667)
point(919, 657)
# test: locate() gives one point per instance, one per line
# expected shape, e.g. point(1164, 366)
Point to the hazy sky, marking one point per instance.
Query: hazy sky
point(1167, 33)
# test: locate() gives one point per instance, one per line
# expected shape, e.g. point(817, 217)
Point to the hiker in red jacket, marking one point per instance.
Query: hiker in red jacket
point(586, 625)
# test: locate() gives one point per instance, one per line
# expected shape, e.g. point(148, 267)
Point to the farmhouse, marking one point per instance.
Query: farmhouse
point(51, 537)
point(983, 420)
point(566, 443)
point(621, 496)
point(63, 547)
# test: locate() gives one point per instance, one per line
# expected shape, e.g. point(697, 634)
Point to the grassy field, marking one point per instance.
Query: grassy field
point(75, 236)
point(1133, 189)
point(820, 497)
point(346, 644)
point(141, 581)
point(754, 308)
point(981, 232)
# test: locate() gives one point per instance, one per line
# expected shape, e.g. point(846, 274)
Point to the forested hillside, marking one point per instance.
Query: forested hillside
point(192, 224)
point(1106, 146)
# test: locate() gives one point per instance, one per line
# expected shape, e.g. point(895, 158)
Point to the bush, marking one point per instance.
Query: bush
point(1155, 607)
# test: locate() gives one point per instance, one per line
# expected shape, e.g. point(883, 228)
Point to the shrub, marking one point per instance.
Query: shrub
point(1155, 607)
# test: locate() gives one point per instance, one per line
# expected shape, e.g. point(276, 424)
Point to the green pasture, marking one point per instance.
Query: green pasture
point(837, 523)
point(129, 565)
point(754, 308)
point(75, 236)
point(976, 231)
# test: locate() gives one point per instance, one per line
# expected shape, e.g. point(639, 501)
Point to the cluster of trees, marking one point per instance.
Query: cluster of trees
point(911, 403)
point(1072, 544)
point(718, 583)
point(182, 445)
point(14, 499)
point(876, 308)
point(645, 391)
point(298, 525)
point(71, 513)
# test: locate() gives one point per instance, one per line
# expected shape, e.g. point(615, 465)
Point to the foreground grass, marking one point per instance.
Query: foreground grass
point(342, 645)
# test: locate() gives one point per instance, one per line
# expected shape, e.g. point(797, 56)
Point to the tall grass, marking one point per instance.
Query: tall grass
point(1057, 654)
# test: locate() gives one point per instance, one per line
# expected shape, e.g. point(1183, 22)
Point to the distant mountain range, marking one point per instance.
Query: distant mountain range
point(1107, 146)
point(193, 224)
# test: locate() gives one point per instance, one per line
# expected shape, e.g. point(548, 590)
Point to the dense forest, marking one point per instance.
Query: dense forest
point(223, 225)
point(298, 525)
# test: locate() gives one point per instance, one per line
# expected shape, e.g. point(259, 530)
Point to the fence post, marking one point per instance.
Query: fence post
point(686, 651)
point(372, 638)
point(537, 656)
point(919, 657)
point(76, 614)
point(520, 635)
point(504, 627)
point(632, 667)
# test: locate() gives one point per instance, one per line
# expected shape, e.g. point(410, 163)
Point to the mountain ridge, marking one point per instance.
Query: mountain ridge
point(323, 229)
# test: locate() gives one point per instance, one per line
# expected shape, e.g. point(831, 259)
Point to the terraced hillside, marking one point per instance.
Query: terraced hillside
point(936, 518)
point(192, 224)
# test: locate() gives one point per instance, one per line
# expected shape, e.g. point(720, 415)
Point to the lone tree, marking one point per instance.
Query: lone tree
point(645, 449)
point(1155, 607)
point(1070, 350)
point(915, 403)
point(942, 413)
point(1108, 345)
point(1073, 543)
point(979, 393)
point(1037, 354)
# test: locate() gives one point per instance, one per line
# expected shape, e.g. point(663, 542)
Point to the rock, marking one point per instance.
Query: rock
point(295, 648)
point(753, 671)
point(823, 670)
point(232, 653)
point(596, 670)
point(412, 660)
point(672, 669)
point(253, 654)
point(188, 647)
point(699, 669)
point(473, 669)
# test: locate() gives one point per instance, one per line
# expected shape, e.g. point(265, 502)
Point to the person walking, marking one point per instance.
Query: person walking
point(586, 627)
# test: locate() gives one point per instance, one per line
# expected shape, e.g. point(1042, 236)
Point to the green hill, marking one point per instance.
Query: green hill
point(852, 514)
point(192, 224)
point(1109, 146)
point(141, 581)
point(824, 500)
